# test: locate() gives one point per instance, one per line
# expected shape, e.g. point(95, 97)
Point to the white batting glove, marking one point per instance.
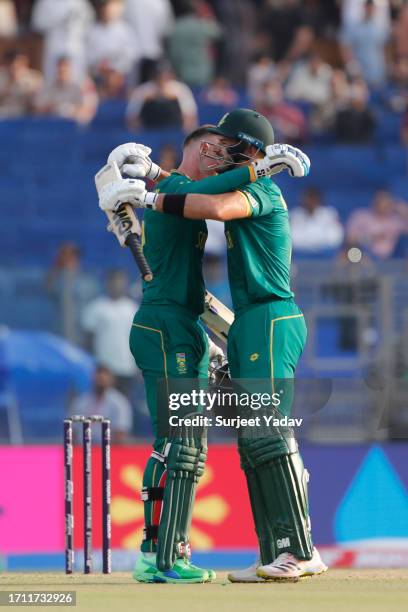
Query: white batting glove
point(141, 164)
point(282, 157)
point(126, 191)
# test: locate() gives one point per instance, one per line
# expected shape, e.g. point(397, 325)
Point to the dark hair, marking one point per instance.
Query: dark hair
point(101, 367)
point(13, 54)
point(196, 134)
point(314, 192)
point(63, 59)
point(115, 272)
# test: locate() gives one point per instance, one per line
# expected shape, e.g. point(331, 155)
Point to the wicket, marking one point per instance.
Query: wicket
point(87, 490)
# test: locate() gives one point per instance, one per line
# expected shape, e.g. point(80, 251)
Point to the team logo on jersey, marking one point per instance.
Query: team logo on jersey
point(254, 356)
point(181, 363)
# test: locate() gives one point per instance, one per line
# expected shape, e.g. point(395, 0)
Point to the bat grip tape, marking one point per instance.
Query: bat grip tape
point(132, 241)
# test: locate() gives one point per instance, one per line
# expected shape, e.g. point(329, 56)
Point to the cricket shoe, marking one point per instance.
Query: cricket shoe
point(211, 574)
point(246, 575)
point(287, 567)
point(181, 572)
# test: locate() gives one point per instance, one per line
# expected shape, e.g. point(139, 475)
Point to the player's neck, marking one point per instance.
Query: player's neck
point(191, 169)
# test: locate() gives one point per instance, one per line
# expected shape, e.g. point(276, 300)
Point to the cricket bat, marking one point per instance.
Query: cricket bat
point(124, 223)
point(216, 316)
point(126, 227)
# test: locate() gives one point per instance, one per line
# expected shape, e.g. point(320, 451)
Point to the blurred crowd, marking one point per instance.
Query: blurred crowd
point(313, 67)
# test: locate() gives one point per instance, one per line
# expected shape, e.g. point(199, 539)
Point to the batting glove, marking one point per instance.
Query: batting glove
point(126, 191)
point(215, 352)
point(140, 164)
point(282, 157)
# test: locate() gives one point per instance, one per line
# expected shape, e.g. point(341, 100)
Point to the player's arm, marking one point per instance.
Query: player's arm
point(222, 207)
point(278, 157)
point(133, 160)
point(220, 183)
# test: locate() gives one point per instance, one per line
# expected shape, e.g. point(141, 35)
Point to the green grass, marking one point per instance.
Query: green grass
point(338, 590)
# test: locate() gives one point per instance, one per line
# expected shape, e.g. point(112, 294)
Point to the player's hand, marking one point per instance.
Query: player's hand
point(140, 166)
point(282, 157)
point(126, 191)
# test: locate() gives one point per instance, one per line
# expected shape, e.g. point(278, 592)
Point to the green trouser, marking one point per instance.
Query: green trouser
point(264, 346)
point(266, 342)
point(168, 344)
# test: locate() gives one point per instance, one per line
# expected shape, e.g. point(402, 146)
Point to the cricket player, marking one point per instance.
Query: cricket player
point(269, 331)
point(168, 343)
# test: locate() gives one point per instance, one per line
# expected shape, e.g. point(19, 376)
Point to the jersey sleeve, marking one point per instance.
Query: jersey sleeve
point(262, 202)
point(221, 183)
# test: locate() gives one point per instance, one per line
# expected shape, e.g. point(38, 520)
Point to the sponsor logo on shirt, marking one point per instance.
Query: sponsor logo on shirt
point(254, 357)
point(252, 201)
point(181, 363)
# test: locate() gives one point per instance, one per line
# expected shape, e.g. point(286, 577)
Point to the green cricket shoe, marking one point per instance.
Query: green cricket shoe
point(181, 572)
point(211, 574)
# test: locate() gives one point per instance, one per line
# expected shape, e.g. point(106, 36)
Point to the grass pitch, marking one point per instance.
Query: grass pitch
point(335, 591)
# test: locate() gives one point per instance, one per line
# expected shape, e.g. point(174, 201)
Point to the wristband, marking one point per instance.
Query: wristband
point(154, 172)
point(150, 200)
point(174, 204)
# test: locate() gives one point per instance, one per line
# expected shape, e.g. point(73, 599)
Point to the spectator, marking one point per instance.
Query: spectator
point(364, 45)
point(168, 158)
point(378, 229)
point(352, 12)
point(108, 402)
point(315, 227)
point(261, 70)
point(404, 129)
point(397, 93)
point(288, 120)
point(151, 21)
point(70, 289)
point(162, 103)
point(107, 320)
point(110, 83)
point(8, 19)
point(240, 39)
point(220, 93)
point(400, 29)
point(66, 97)
point(310, 81)
point(64, 24)
point(190, 47)
point(111, 42)
point(290, 32)
point(18, 85)
point(355, 123)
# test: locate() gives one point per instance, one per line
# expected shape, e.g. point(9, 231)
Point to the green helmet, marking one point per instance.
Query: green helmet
point(246, 126)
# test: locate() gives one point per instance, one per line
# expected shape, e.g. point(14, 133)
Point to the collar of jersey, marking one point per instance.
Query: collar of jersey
point(181, 174)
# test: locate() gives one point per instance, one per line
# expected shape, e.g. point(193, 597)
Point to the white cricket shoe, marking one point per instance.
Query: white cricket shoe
point(246, 575)
point(287, 567)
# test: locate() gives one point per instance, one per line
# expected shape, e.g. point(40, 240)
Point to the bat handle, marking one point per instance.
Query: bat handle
point(132, 241)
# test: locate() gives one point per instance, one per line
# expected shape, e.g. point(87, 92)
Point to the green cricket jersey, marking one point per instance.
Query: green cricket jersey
point(174, 247)
point(259, 248)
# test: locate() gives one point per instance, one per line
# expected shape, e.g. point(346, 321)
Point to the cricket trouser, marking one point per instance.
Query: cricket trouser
point(169, 344)
point(265, 343)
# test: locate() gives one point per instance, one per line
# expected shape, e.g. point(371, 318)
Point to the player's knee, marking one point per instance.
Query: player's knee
point(257, 452)
point(188, 455)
